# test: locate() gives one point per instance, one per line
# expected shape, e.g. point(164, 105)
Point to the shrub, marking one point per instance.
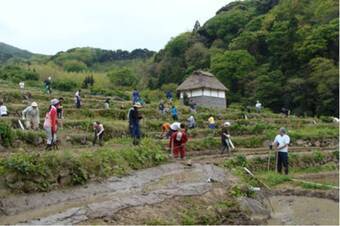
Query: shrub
point(65, 85)
point(16, 74)
point(74, 66)
point(6, 134)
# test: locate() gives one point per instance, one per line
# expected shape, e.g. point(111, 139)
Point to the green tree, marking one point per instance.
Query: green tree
point(122, 77)
point(324, 77)
point(74, 66)
point(197, 57)
point(233, 68)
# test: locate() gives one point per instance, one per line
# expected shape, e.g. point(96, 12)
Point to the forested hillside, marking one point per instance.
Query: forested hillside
point(7, 52)
point(281, 52)
point(284, 53)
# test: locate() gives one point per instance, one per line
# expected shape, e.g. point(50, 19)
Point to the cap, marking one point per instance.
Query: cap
point(34, 104)
point(226, 124)
point(137, 105)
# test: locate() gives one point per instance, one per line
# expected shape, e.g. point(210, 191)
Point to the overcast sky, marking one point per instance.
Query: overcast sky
point(50, 26)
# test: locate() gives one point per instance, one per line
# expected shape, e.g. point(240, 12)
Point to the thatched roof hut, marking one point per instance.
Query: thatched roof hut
point(204, 89)
point(201, 79)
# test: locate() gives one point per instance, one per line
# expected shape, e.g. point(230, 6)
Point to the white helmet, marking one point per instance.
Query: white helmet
point(34, 104)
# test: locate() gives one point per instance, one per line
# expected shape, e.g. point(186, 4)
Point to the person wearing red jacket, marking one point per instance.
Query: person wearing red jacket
point(177, 142)
point(51, 124)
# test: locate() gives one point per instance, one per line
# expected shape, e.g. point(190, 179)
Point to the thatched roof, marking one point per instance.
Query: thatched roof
point(201, 79)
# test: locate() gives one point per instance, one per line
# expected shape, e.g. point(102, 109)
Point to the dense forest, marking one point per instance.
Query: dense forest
point(284, 53)
point(281, 52)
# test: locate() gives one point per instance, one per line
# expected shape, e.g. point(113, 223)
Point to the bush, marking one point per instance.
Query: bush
point(74, 66)
point(6, 134)
point(122, 77)
point(65, 85)
point(17, 74)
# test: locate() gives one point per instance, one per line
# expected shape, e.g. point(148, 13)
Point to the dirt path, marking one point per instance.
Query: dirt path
point(99, 200)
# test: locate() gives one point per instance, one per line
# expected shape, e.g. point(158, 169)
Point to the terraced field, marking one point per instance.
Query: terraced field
point(123, 184)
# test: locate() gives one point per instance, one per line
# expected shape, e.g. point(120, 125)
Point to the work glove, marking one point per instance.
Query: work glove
point(23, 118)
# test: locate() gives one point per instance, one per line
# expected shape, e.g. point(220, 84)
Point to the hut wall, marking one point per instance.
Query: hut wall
point(206, 101)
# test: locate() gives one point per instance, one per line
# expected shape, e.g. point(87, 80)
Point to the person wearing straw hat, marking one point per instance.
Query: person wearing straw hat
point(227, 145)
point(31, 116)
point(134, 118)
point(51, 124)
point(281, 143)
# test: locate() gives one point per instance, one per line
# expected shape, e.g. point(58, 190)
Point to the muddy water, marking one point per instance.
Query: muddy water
point(99, 200)
point(303, 210)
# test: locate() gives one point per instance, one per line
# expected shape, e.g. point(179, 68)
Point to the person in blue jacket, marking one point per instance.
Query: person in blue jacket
point(173, 111)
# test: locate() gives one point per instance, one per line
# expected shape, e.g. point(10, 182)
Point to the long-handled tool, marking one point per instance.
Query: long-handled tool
point(270, 148)
point(19, 121)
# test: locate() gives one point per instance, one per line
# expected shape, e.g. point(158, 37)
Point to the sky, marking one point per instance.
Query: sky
point(50, 26)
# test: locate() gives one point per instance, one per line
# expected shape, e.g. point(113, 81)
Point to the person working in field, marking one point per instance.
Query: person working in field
point(191, 122)
point(281, 143)
point(227, 144)
point(77, 99)
point(60, 112)
point(3, 110)
point(51, 124)
point(173, 111)
point(165, 130)
point(22, 87)
point(177, 142)
point(174, 127)
point(31, 116)
point(98, 133)
point(48, 84)
point(211, 122)
point(107, 104)
point(134, 117)
point(258, 106)
point(135, 96)
point(161, 108)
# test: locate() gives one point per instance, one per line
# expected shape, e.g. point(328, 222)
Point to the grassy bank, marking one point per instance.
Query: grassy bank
point(31, 172)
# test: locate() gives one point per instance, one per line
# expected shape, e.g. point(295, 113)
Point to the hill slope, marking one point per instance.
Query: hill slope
point(284, 53)
point(8, 51)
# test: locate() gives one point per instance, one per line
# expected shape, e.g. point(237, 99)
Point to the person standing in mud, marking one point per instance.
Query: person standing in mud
point(134, 118)
point(281, 143)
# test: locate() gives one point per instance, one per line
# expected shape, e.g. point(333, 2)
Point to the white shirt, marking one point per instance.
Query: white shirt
point(175, 126)
point(258, 105)
point(21, 85)
point(3, 110)
point(282, 141)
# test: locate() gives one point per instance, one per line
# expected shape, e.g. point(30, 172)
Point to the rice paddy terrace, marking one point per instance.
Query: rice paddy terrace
point(119, 183)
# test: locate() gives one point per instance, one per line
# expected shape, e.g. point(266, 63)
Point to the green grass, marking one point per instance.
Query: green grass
point(313, 186)
point(32, 172)
point(272, 178)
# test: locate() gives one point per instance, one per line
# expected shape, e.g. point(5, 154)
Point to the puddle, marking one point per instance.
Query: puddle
point(303, 210)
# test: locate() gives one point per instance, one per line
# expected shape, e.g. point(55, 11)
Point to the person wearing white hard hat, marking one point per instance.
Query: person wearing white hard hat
point(31, 116)
point(227, 145)
point(51, 124)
